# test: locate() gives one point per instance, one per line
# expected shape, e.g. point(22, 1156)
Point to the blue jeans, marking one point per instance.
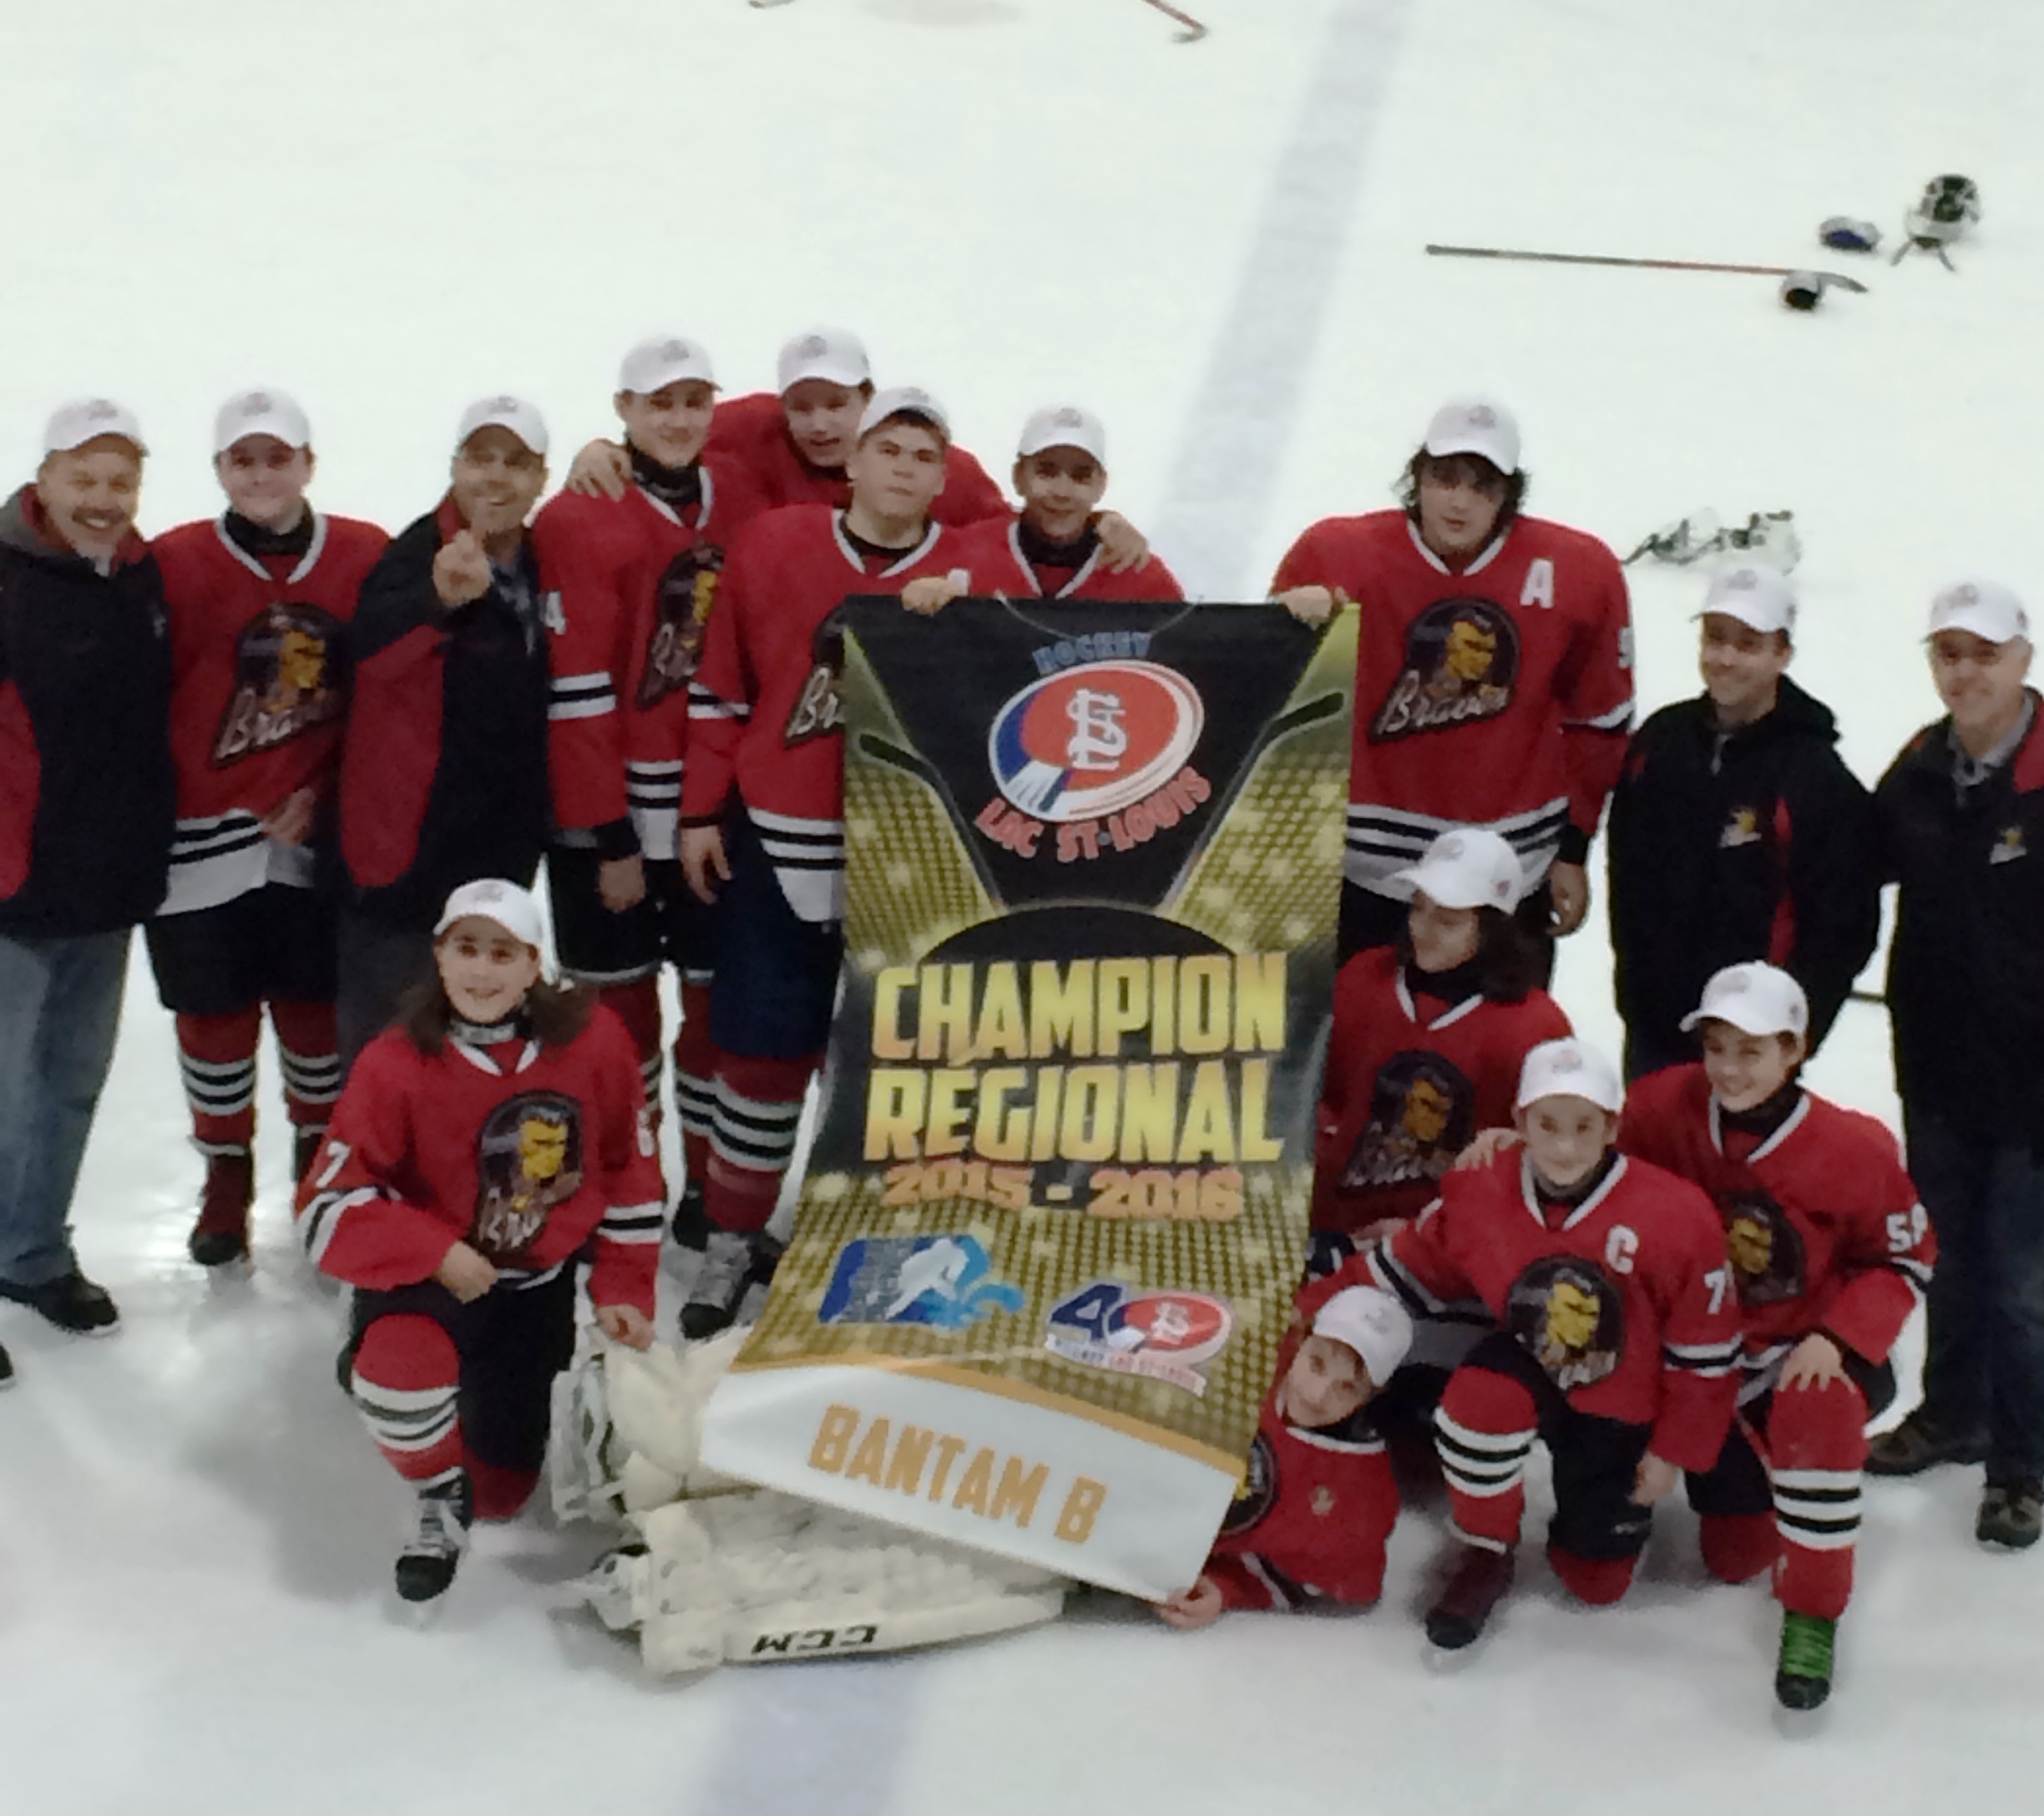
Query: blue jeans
point(1984, 1369)
point(59, 1008)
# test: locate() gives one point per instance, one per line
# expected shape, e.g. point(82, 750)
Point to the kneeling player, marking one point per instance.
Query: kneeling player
point(478, 1147)
point(1311, 1520)
point(1830, 1250)
point(1617, 1338)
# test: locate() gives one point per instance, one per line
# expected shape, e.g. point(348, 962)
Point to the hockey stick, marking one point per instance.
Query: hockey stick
point(767, 2)
point(1646, 264)
point(1192, 33)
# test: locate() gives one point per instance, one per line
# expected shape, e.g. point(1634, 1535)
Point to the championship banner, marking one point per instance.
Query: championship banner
point(1057, 1207)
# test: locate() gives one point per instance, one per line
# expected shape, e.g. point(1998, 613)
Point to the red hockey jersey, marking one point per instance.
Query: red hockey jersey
point(1311, 1520)
point(1497, 696)
point(1822, 1226)
point(628, 586)
point(1627, 1303)
point(763, 707)
point(752, 433)
point(521, 1150)
point(258, 692)
point(993, 553)
point(1408, 1087)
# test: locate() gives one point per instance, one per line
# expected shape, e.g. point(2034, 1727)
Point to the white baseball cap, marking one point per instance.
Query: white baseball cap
point(261, 412)
point(1756, 593)
point(903, 400)
point(1470, 868)
point(665, 359)
point(1569, 1068)
point(1476, 425)
point(84, 419)
point(515, 910)
point(1986, 608)
point(835, 354)
point(522, 418)
point(1757, 998)
point(1372, 1324)
point(1064, 425)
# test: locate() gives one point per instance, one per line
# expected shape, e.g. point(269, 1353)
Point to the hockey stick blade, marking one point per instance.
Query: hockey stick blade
point(1193, 32)
point(765, 3)
point(1839, 278)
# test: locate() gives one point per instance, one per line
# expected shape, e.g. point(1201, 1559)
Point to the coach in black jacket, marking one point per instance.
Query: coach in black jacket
point(86, 802)
point(443, 775)
point(1737, 832)
point(1962, 826)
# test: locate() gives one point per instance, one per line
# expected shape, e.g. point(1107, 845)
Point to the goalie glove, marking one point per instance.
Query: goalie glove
point(1842, 234)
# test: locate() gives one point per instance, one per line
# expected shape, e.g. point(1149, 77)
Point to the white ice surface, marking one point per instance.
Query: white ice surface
point(390, 207)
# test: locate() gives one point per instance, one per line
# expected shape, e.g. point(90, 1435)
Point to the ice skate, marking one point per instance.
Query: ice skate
point(1771, 536)
point(439, 1535)
point(221, 1235)
point(1476, 1583)
point(1802, 1676)
point(732, 1263)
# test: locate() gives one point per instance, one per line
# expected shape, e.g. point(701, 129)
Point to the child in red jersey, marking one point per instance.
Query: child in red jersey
point(1493, 682)
point(1430, 1037)
point(794, 445)
point(260, 601)
point(1318, 1501)
point(630, 583)
point(1616, 1340)
point(762, 805)
point(1062, 545)
point(478, 1148)
point(1830, 1251)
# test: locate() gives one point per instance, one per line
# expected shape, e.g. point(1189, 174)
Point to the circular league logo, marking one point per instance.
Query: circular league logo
point(1093, 740)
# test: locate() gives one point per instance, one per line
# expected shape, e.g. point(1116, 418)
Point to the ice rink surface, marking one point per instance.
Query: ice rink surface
point(390, 209)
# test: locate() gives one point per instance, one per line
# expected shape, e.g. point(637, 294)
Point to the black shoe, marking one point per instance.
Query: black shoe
point(1920, 1443)
point(70, 1302)
point(2011, 1514)
point(733, 1263)
point(1803, 1676)
point(1476, 1583)
point(7, 1368)
point(441, 1518)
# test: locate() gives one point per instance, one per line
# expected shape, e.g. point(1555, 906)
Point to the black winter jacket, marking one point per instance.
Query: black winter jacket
point(1965, 972)
point(86, 794)
point(1726, 847)
point(443, 774)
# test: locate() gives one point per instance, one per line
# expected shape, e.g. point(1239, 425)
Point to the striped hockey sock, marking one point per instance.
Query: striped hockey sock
point(216, 1054)
point(406, 1387)
point(1484, 1430)
point(756, 1112)
point(1816, 1445)
point(309, 1051)
point(694, 1073)
point(637, 1005)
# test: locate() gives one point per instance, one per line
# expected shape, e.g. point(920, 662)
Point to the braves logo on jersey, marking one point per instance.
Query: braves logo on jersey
point(1257, 1493)
point(1461, 662)
point(1422, 1113)
point(1569, 1318)
point(528, 1159)
point(681, 605)
point(1765, 1248)
point(285, 682)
